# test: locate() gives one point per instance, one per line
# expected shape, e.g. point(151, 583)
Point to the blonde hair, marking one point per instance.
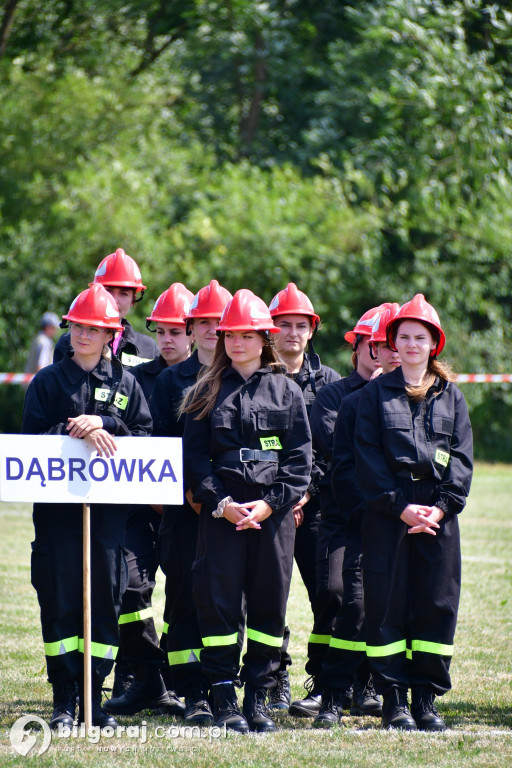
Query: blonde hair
point(202, 396)
point(435, 369)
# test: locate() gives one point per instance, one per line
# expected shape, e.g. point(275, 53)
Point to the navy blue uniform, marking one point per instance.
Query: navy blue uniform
point(331, 535)
point(139, 640)
point(177, 542)
point(418, 453)
point(257, 563)
point(134, 347)
point(311, 378)
point(346, 656)
point(57, 392)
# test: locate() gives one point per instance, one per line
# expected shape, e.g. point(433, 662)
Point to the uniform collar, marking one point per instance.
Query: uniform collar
point(310, 365)
point(191, 366)
point(355, 380)
point(230, 371)
point(128, 332)
point(156, 365)
point(74, 373)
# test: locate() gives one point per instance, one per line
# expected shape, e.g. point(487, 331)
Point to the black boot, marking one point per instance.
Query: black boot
point(64, 702)
point(123, 678)
point(280, 695)
point(331, 709)
point(255, 710)
point(423, 710)
point(99, 716)
point(364, 699)
point(146, 692)
point(395, 711)
point(310, 705)
point(197, 708)
point(225, 708)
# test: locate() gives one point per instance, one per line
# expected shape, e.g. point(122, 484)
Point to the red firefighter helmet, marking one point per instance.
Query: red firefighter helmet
point(291, 301)
point(119, 269)
point(364, 325)
point(381, 323)
point(94, 306)
point(172, 305)
point(246, 312)
point(418, 309)
point(209, 301)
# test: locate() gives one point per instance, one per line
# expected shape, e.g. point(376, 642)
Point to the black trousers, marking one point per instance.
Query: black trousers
point(345, 657)
point(139, 640)
point(56, 571)
point(326, 603)
point(411, 595)
point(229, 565)
point(181, 641)
point(305, 551)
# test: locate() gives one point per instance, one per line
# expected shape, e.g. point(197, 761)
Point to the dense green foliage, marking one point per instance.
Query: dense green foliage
point(359, 149)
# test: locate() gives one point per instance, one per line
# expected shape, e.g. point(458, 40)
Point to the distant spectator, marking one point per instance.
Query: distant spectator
point(41, 351)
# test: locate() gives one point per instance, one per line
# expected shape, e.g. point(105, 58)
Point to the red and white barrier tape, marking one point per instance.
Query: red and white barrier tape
point(16, 378)
point(484, 378)
point(461, 378)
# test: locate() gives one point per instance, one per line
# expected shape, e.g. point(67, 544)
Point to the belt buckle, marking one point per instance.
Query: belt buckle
point(415, 478)
point(243, 452)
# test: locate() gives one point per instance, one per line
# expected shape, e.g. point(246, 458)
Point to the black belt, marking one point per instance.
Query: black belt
point(247, 454)
point(413, 476)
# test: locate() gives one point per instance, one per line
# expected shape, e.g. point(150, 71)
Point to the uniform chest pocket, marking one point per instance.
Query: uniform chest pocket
point(396, 421)
point(443, 425)
point(273, 420)
point(223, 419)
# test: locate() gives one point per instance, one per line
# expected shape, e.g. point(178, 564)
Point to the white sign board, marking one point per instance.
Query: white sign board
point(62, 469)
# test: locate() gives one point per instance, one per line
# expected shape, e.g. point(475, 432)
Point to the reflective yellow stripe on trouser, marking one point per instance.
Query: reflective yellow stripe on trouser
point(319, 639)
point(127, 618)
point(100, 650)
point(425, 646)
point(188, 656)
point(261, 637)
point(69, 644)
point(60, 647)
point(208, 642)
point(347, 645)
point(386, 650)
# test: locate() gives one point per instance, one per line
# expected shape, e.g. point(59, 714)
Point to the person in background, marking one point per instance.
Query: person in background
point(86, 395)
point(41, 350)
point(345, 662)
point(177, 542)
point(247, 457)
point(331, 538)
point(121, 277)
point(138, 682)
point(414, 463)
point(293, 314)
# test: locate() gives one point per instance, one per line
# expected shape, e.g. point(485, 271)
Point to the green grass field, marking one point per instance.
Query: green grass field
point(478, 710)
